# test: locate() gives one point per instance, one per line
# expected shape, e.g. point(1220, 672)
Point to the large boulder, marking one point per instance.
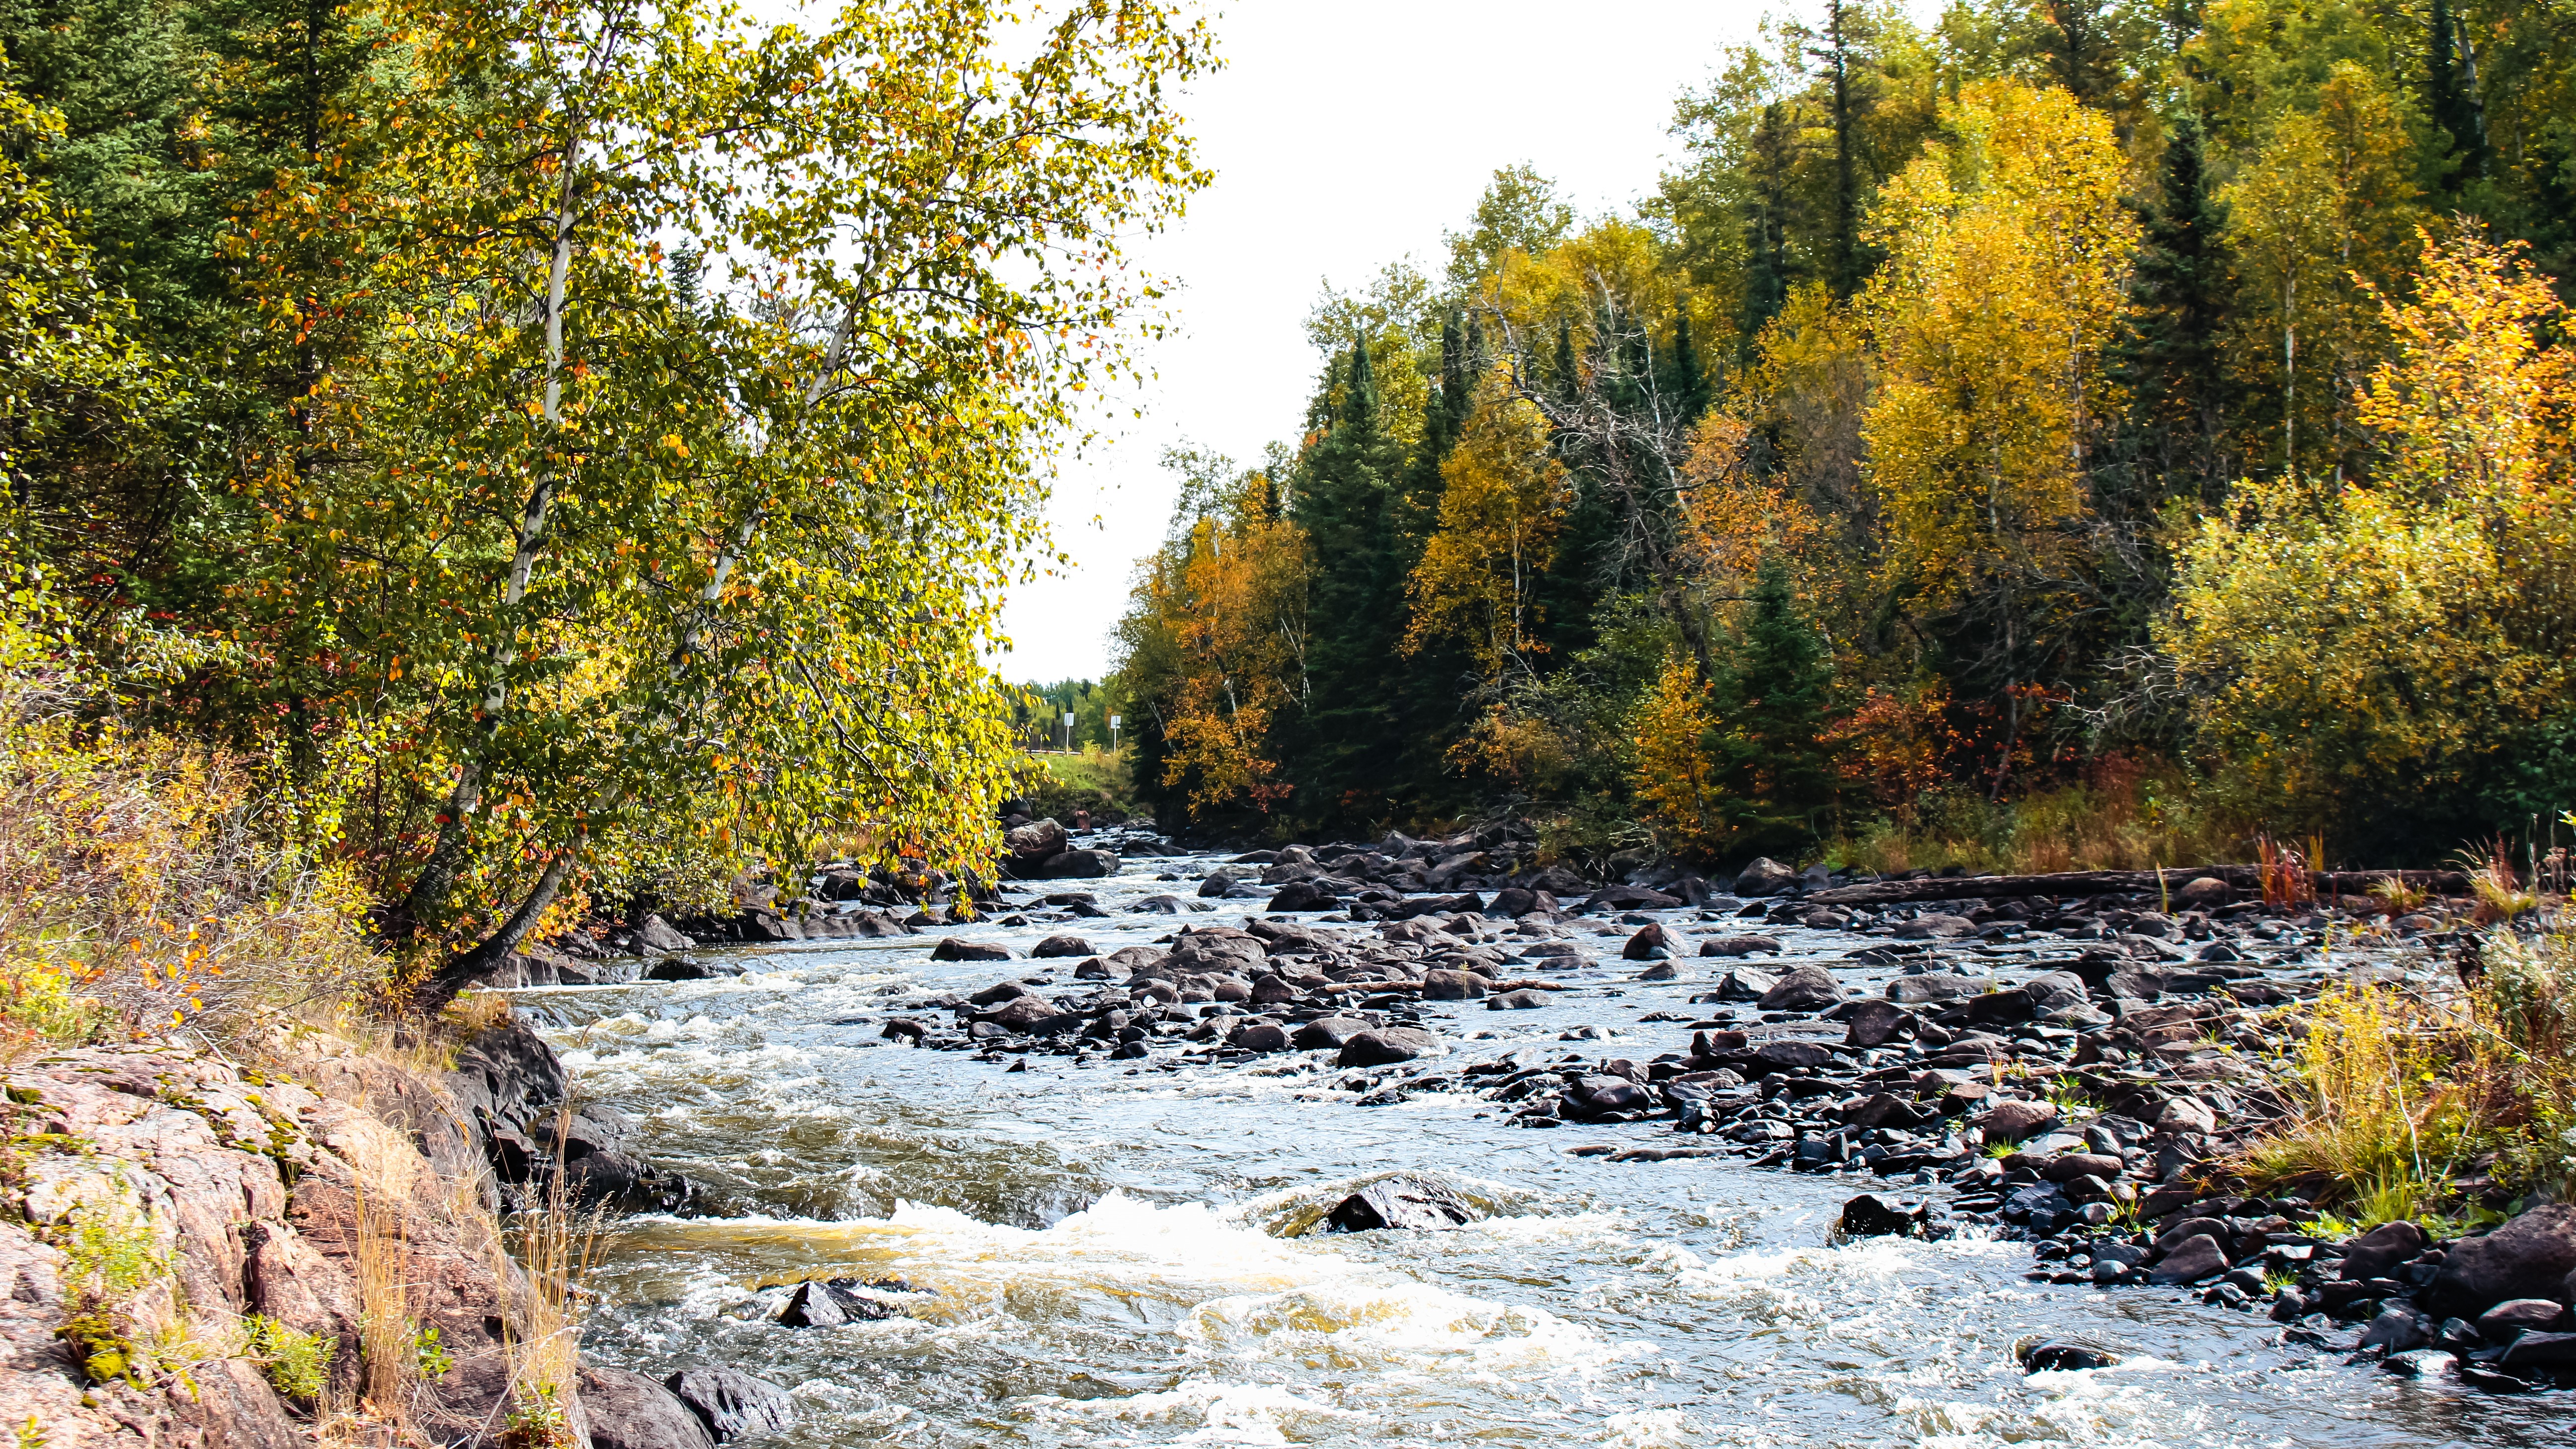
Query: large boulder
point(1388, 1045)
point(1080, 865)
point(1330, 1032)
point(2013, 1120)
point(1453, 985)
point(957, 948)
point(1764, 877)
point(1256, 1035)
point(1054, 946)
point(655, 934)
point(1399, 1203)
point(1653, 943)
point(1932, 986)
point(1876, 1023)
point(1035, 843)
point(1303, 895)
point(1804, 988)
point(733, 1404)
point(629, 1411)
point(1021, 1014)
point(2191, 1260)
point(1602, 1095)
point(1744, 984)
point(2529, 1257)
point(1873, 1215)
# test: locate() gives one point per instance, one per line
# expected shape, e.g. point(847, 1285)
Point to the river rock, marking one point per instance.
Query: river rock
point(1259, 1036)
point(1935, 928)
point(2514, 1315)
point(1021, 1014)
point(2061, 1356)
point(1789, 1056)
point(1876, 1023)
point(2540, 1350)
point(1764, 877)
point(1216, 885)
point(733, 1404)
point(1932, 986)
point(2202, 893)
point(1328, 1031)
point(1522, 1000)
point(2421, 1363)
point(1876, 1215)
point(1744, 984)
point(999, 992)
point(1598, 1096)
point(2396, 1330)
point(1652, 943)
point(1453, 985)
point(2066, 1167)
point(1660, 971)
point(678, 968)
point(1054, 946)
point(958, 948)
point(653, 934)
point(2529, 1257)
point(1399, 1203)
point(1387, 1045)
point(2188, 1115)
point(2056, 991)
point(2193, 1259)
point(629, 1411)
point(1806, 988)
point(1080, 865)
point(1303, 895)
point(2012, 1120)
point(1740, 946)
point(2384, 1247)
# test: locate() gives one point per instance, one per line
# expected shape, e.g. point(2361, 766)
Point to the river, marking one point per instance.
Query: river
point(1100, 1256)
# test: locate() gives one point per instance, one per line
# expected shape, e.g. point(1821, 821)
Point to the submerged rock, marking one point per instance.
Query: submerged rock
point(1399, 1202)
point(732, 1404)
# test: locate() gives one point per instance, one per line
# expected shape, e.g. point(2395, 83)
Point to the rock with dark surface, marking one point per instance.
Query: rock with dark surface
point(1021, 1014)
point(1876, 1023)
point(2384, 1247)
point(1399, 1203)
point(2395, 1330)
point(629, 1411)
point(1080, 865)
point(678, 968)
point(1259, 1036)
point(1764, 877)
point(2421, 1363)
point(2062, 1356)
point(2529, 1257)
point(2552, 1351)
point(1744, 984)
point(2056, 991)
point(1935, 928)
point(653, 934)
point(1054, 946)
point(1328, 1032)
point(1522, 1000)
point(1216, 885)
point(1804, 988)
point(958, 948)
point(821, 1304)
point(1303, 895)
point(1034, 843)
point(1454, 985)
point(999, 992)
point(1387, 1045)
point(1933, 986)
point(2203, 893)
point(1740, 946)
point(2001, 1008)
point(1653, 943)
point(1876, 1215)
point(1660, 971)
point(2514, 1315)
point(733, 1404)
point(2012, 1120)
point(1599, 1096)
point(2192, 1260)
point(1790, 1056)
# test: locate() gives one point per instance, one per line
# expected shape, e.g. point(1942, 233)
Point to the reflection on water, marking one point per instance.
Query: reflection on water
point(1102, 1259)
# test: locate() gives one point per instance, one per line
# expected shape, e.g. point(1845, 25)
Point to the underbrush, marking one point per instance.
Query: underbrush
point(146, 884)
point(2121, 820)
point(2421, 1101)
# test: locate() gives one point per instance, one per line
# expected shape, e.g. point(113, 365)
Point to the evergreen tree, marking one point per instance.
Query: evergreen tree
point(1844, 33)
point(1688, 387)
point(2450, 98)
point(1773, 694)
point(1767, 269)
point(1345, 492)
point(2169, 357)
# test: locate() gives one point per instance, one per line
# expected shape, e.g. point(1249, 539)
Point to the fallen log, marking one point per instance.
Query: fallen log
point(2246, 878)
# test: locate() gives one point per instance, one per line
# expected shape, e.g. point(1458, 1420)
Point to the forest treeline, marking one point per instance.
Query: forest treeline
point(2071, 429)
point(530, 448)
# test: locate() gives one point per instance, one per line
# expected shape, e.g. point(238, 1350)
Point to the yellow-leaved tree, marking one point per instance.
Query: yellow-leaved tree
point(1502, 500)
point(1675, 780)
point(2393, 655)
point(2009, 246)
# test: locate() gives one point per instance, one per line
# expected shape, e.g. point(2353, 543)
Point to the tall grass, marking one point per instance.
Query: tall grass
point(146, 884)
point(2121, 819)
point(2401, 1090)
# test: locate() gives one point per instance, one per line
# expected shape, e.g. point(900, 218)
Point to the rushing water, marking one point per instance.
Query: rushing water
point(1103, 1257)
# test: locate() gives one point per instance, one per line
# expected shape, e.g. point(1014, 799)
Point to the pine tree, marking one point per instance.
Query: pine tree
point(1688, 387)
point(2169, 359)
point(1345, 496)
point(2450, 97)
point(1773, 695)
point(1767, 269)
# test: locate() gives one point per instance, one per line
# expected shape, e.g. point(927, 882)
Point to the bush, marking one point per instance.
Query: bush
point(298, 1364)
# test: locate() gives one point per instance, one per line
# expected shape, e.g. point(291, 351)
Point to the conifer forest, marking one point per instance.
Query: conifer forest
point(2040, 433)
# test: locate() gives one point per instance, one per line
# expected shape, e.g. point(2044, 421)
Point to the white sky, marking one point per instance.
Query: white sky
point(1345, 135)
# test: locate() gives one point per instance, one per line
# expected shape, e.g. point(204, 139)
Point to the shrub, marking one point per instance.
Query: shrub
point(298, 1364)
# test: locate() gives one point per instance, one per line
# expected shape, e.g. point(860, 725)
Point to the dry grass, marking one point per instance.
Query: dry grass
point(145, 885)
point(2124, 819)
point(557, 1244)
point(2404, 1091)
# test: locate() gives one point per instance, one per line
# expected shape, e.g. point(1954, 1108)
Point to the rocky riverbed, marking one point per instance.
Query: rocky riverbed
point(2048, 1076)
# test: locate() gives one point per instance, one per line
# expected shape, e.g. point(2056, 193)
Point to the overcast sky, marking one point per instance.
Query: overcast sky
point(1345, 135)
